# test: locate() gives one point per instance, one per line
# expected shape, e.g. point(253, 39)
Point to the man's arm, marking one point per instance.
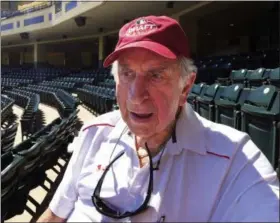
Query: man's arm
point(49, 216)
point(251, 191)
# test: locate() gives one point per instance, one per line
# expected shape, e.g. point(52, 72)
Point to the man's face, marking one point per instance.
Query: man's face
point(148, 91)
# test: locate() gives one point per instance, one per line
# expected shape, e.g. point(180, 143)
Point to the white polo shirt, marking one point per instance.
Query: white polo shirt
point(212, 173)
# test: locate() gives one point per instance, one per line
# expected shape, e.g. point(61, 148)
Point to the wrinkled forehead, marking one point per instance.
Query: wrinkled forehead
point(140, 59)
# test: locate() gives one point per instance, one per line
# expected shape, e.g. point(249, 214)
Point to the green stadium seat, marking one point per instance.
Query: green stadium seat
point(227, 107)
point(206, 104)
point(274, 77)
point(197, 90)
point(256, 77)
point(260, 117)
point(238, 76)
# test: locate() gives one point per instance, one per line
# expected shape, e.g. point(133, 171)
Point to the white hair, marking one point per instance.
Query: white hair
point(187, 67)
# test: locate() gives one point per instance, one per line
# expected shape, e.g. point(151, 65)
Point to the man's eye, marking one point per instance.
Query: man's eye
point(127, 74)
point(156, 76)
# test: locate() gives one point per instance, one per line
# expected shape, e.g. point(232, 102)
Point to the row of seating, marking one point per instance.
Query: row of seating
point(210, 74)
point(30, 103)
point(100, 99)
point(68, 86)
point(23, 167)
point(253, 78)
point(9, 83)
point(108, 83)
point(50, 97)
point(8, 137)
point(255, 111)
point(265, 58)
point(6, 107)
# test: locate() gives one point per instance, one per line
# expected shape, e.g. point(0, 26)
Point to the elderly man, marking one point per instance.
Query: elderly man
point(155, 159)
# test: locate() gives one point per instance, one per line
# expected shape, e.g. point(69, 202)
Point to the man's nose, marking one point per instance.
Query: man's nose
point(138, 90)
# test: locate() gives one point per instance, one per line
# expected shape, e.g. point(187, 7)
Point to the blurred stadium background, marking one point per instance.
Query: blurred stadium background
point(52, 80)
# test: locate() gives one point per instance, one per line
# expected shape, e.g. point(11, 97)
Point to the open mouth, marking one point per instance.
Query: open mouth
point(141, 115)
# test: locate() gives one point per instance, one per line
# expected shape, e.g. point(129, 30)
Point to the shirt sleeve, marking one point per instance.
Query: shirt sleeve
point(65, 196)
point(250, 192)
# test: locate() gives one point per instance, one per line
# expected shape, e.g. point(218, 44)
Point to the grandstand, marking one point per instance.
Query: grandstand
point(52, 80)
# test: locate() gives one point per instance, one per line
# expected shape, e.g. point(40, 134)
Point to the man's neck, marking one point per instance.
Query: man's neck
point(155, 141)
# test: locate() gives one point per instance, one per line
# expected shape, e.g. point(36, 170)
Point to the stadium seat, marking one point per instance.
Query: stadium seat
point(274, 77)
point(257, 77)
point(206, 103)
point(197, 90)
point(260, 119)
point(239, 76)
point(11, 167)
point(8, 137)
point(227, 107)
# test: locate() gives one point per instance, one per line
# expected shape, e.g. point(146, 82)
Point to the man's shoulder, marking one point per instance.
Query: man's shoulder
point(109, 119)
point(223, 139)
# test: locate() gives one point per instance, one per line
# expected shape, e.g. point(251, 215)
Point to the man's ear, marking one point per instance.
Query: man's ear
point(187, 88)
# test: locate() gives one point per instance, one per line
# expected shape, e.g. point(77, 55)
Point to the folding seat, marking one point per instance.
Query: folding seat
point(197, 90)
point(11, 167)
point(260, 119)
point(274, 77)
point(8, 138)
point(239, 76)
point(206, 103)
point(227, 107)
point(256, 78)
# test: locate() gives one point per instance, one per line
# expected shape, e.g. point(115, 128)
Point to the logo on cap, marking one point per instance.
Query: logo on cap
point(141, 27)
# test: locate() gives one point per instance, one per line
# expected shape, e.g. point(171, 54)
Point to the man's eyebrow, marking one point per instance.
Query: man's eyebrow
point(158, 68)
point(124, 66)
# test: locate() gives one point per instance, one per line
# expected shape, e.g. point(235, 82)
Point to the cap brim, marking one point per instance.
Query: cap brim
point(148, 45)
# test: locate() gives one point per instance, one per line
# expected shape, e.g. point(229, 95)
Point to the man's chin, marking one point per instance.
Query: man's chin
point(141, 130)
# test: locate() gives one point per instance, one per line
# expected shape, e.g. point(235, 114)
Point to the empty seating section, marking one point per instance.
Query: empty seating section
point(64, 102)
point(242, 91)
point(8, 137)
point(100, 99)
point(59, 84)
point(23, 167)
point(35, 74)
point(79, 81)
point(109, 83)
point(30, 103)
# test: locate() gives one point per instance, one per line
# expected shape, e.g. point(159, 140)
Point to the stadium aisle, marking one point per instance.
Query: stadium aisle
point(84, 115)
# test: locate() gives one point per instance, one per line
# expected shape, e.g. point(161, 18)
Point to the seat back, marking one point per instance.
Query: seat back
point(232, 93)
point(238, 76)
point(228, 105)
point(256, 77)
point(274, 77)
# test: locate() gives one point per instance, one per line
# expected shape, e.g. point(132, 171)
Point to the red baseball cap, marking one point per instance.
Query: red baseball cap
point(160, 34)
